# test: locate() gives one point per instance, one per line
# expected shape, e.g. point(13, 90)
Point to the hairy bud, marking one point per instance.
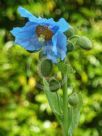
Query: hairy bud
point(73, 99)
point(84, 43)
point(46, 67)
point(54, 85)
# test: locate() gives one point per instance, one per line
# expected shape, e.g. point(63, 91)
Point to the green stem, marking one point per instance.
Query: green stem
point(75, 36)
point(65, 109)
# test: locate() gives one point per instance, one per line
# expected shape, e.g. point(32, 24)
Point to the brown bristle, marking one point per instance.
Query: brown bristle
point(44, 30)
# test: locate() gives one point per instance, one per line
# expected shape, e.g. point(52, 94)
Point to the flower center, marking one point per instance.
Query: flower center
point(44, 31)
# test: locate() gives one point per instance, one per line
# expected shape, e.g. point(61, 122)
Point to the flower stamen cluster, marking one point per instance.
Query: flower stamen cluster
point(44, 32)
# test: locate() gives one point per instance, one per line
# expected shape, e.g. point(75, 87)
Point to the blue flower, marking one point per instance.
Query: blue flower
point(45, 34)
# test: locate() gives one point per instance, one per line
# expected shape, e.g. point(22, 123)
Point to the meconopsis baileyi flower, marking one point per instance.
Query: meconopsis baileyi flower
point(42, 34)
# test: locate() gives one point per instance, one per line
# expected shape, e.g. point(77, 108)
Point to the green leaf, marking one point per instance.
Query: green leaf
point(74, 116)
point(69, 119)
point(55, 101)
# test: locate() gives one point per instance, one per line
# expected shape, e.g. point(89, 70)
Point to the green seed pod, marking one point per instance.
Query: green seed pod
point(54, 85)
point(73, 99)
point(84, 43)
point(70, 32)
point(46, 67)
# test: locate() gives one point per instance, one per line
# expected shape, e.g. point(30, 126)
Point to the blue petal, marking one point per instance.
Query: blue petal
point(48, 51)
point(25, 13)
point(57, 48)
point(59, 41)
point(54, 29)
point(46, 22)
point(42, 21)
point(61, 45)
point(26, 37)
point(52, 57)
point(54, 42)
point(50, 22)
point(63, 25)
point(24, 32)
point(31, 44)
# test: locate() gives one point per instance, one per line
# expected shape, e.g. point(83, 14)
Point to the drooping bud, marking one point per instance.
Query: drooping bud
point(46, 67)
point(73, 99)
point(84, 43)
point(54, 85)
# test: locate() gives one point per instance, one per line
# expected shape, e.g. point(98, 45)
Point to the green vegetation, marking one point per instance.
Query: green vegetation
point(24, 110)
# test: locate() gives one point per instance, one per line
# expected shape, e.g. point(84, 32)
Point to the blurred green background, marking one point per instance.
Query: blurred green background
point(24, 110)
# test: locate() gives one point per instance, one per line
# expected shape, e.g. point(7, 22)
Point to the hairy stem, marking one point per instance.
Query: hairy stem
point(65, 109)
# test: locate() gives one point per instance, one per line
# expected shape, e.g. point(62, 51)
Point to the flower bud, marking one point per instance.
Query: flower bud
point(54, 85)
point(46, 67)
point(84, 43)
point(73, 99)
